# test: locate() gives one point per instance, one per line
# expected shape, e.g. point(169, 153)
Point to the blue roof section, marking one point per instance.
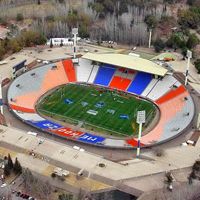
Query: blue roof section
point(140, 82)
point(104, 75)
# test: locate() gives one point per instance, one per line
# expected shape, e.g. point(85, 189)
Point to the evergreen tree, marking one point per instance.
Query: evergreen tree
point(159, 45)
point(51, 43)
point(6, 170)
point(17, 167)
point(197, 65)
point(61, 43)
point(10, 162)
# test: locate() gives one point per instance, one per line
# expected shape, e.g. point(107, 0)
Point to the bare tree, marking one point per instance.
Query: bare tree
point(31, 184)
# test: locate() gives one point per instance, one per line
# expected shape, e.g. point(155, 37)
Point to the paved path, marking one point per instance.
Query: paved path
point(113, 173)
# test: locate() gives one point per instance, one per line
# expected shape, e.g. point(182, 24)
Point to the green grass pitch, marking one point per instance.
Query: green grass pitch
point(113, 105)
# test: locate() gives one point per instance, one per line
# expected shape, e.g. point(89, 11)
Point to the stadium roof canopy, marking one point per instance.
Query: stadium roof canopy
point(127, 61)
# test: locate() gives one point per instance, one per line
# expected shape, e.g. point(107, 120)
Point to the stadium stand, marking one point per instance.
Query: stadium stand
point(171, 94)
point(69, 70)
point(27, 78)
point(120, 83)
point(104, 75)
point(114, 143)
point(93, 74)
point(180, 121)
point(162, 87)
point(173, 116)
point(83, 70)
point(140, 82)
point(24, 98)
point(167, 93)
point(29, 116)
point(150, 87)
point(134, 142)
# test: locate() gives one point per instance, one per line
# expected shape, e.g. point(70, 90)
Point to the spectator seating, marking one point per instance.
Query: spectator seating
point(171, 94)
point(150, 87)
point(162, 87)
point(83, 70)
point(140, 82)
point(69, 70)
point(120, 83)
point(104, 75)
point(24, 98)
point(176, 114)
point(175, 104)
point(93, 74)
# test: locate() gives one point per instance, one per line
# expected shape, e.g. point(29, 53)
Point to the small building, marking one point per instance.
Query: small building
point(58, 41)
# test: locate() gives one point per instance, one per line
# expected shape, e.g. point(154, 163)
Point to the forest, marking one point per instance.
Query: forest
point(122, 21)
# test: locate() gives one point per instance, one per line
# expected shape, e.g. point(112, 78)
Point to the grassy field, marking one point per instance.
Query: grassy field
point(111, 112)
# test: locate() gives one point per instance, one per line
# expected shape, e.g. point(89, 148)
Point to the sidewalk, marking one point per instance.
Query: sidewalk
point(45, 169)
point(175, 158)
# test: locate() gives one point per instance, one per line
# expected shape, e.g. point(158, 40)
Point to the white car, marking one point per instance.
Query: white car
point(45, 62)
point(3, 185)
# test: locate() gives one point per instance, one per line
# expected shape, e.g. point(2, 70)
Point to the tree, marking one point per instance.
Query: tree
point(61, 43)
point(17, 167)
point(2, 51)
point(15, 46)
point(7, 170)
point(197, 65)
point(19, 17)
point(31, 182)
point(65, 197)
point(51, 43)
point(10, 162)
point(192, 41)
point(151, 21)
point(159, 45)
point(176, 41)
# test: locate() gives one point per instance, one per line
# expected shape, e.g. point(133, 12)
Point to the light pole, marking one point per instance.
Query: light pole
point(75, 33)
point(150, 36)
point(140, 121)
point(189, 56)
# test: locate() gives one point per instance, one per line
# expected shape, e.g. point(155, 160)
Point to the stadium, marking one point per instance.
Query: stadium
point(96, 100)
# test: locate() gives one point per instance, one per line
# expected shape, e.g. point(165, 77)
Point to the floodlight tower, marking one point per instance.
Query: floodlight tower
point(150, 36)
point(75, 33)
point(140, 121)
point(189, 56)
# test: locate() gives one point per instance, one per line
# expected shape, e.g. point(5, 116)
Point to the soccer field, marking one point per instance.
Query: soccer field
point(96, 108)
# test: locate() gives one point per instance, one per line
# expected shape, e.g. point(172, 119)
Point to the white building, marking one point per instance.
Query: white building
point(65, 41)
point(57, 41)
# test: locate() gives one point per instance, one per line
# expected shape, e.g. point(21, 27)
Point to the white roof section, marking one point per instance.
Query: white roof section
point(127, 61)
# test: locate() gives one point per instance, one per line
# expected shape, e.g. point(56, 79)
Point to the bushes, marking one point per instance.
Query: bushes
point(159, 152)
point(192, 41)
point(31, 38)
point(26, 39)
point(159, 45)
point(195, 174)
point(197, 65)
point(19, 17)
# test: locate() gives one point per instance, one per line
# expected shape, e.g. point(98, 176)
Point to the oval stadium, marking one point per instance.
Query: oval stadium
point(96, 100)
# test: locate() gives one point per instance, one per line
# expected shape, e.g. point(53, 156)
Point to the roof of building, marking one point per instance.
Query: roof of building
point(165, 56)
point(127, 61)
